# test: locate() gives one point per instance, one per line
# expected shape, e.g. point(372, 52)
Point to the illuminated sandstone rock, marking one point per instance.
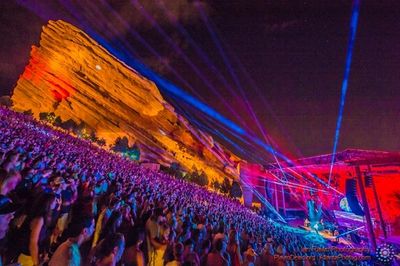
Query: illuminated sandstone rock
point(74, 77)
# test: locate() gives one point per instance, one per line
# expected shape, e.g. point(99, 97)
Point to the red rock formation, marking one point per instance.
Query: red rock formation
point(74, 77)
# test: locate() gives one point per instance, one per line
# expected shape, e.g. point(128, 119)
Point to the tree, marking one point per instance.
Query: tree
point(69, 125)
point(28, 112)
point(216, 185)
point(57, 122)
point(175, 166)
point(93, 137)
point(121, 145)
point(175, 170)
point(80, 126)
point(236, 190)
point(101, 142)
point(200, 179)
point(51, 118)
point(192, 176)
point(133, 153)
point(225, 186)
point(84, 133)
point(43, 115)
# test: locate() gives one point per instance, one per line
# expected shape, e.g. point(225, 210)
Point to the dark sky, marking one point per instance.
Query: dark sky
point(294, 52)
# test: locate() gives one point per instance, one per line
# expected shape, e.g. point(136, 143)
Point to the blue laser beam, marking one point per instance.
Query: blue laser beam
point(267, 143)
point(263, 200)
point(179, 51)
point(124, 53)
point(353, 29)
point(168, 87)
point(348, 232)
point(237, 83)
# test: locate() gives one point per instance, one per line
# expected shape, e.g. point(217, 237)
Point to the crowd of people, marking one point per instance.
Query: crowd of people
point(65, 201)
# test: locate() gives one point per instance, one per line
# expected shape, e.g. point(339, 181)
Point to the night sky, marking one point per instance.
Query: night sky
point(294, 53)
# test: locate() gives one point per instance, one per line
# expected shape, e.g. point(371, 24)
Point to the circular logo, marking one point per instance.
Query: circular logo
point(385, 253)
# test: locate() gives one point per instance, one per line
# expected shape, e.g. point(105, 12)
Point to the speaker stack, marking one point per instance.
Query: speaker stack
point(351, 195)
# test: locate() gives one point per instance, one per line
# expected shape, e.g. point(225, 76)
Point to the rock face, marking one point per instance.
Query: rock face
point(74, 77)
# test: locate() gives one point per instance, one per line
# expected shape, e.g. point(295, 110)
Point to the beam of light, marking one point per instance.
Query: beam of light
point(319, 180)
point(216, 132)
point(217, 43)
point(243, 151)
point(205, 58)
point(300, 198)
point(179, 51)
point(348, 232)
point(143, 42)
point(302, 177)
point(162, 83)
point(263, 200)
point(152, 50)
point(353, 29)
point(191, 100)
point(75, 12)
point(112, 49)
point(287, 182)
point(199, 51)
point(251, 149)
point(314, 178)
point(123, 56)
point(290, 184)
point(172, 89)
point(231, 71)
point(91, 31)
point(298, 184)
point(202, 124)
point(212, 128)
point(136, 35)
point(110, 31)
point(235, 79)
point(254, 85)
point(267, 138)
point(294, 185)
